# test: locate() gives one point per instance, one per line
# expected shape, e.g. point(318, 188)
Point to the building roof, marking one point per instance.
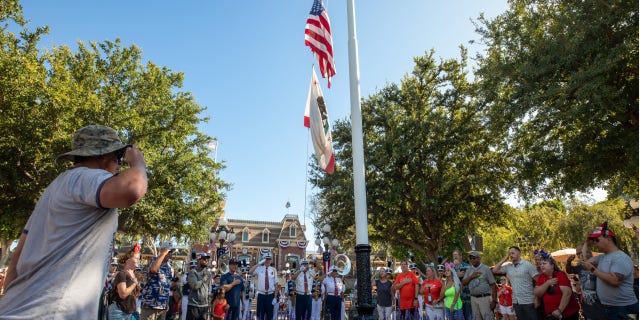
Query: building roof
point(276, 230)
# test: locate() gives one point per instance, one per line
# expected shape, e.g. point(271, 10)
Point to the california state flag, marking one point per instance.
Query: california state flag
point(317, 120)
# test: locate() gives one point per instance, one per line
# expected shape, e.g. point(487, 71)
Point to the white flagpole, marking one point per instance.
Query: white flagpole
point(362, 235)
point(363, 249)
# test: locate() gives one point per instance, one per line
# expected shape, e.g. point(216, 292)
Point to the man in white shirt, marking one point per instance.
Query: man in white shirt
point(333, 290)
point(267, 279)
point(303, 286)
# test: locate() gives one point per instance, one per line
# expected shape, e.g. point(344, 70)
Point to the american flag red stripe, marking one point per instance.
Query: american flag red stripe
point(317, 36)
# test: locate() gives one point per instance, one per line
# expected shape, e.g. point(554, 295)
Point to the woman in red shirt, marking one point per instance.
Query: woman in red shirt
point(431, 292)
point(554, 288)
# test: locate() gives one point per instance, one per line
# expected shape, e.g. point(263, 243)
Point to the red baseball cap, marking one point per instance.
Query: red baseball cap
point(600, 232)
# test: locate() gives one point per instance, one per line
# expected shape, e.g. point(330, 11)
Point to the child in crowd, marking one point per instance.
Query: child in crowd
point(220, 305)
point(504, 298)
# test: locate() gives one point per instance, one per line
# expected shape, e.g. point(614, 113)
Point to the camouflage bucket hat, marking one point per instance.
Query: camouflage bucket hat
point(93, 140)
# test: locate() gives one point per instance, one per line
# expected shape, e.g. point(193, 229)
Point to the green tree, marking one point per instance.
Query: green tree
point(47, 96)
point(561, 77)
point(554, 225)
point(25, 164)
point(433, 171)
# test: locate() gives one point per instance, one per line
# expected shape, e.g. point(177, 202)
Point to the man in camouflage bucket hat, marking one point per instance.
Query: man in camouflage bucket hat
point(93, 140)
point(74, 220)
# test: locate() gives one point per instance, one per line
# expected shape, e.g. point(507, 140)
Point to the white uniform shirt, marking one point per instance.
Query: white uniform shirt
point(330, 285)
point(300, 282)
point(260, 273)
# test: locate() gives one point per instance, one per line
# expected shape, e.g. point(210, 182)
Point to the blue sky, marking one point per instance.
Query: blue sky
point(245, 60)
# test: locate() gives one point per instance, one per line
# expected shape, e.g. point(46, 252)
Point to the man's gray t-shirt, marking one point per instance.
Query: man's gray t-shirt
point(482, 284)
point(65, 258)
point(617, 262)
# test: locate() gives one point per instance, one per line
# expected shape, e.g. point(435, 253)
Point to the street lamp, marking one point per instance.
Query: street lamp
point(222, 234)
point(327, 242)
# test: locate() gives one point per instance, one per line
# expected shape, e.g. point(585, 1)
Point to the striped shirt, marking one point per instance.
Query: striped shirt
point(521, 276)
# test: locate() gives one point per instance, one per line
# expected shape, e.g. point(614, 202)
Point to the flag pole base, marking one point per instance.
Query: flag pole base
point(364, 304)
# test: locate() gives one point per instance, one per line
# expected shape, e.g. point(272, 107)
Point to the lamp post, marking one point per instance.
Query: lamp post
point(222, 234)
point(328, 243)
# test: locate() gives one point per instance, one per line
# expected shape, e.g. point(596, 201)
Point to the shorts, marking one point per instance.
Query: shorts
point(507, 310)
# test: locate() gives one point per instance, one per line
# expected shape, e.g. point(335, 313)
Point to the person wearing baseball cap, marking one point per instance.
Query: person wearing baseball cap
point(155, 299)
point(75, 218)
point(614, 274)
point(233, 285)
point(199, 282)
point(482, 287)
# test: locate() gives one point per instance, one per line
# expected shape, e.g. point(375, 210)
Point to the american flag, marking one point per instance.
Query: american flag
point(317, 35)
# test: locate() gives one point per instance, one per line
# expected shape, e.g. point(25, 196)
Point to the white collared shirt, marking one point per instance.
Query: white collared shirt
point(273, 278)
point(330, 285)
point(300, 282)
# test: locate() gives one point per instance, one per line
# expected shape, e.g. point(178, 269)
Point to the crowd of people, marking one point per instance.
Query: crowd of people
point(63, 250)
point(591, 288)
point(159, 292)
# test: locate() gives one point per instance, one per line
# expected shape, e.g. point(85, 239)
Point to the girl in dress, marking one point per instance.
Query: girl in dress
point(220, 305)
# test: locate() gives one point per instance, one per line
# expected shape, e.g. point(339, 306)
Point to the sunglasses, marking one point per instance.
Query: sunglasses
point(120, 156)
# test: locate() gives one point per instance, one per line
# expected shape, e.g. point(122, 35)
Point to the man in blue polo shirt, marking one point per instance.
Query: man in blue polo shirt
point(234, 287)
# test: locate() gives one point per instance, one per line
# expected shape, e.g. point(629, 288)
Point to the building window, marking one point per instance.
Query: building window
point(292, 231)
point(245, 236)
point(265, 237)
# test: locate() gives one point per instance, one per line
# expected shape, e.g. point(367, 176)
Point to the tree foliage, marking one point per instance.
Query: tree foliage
point(561, 78)
point(45, 96)
point(432, 167)
point(553, 225)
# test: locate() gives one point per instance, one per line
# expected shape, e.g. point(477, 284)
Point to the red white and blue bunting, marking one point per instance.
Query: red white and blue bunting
point(302, 244)
point(284, 243)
